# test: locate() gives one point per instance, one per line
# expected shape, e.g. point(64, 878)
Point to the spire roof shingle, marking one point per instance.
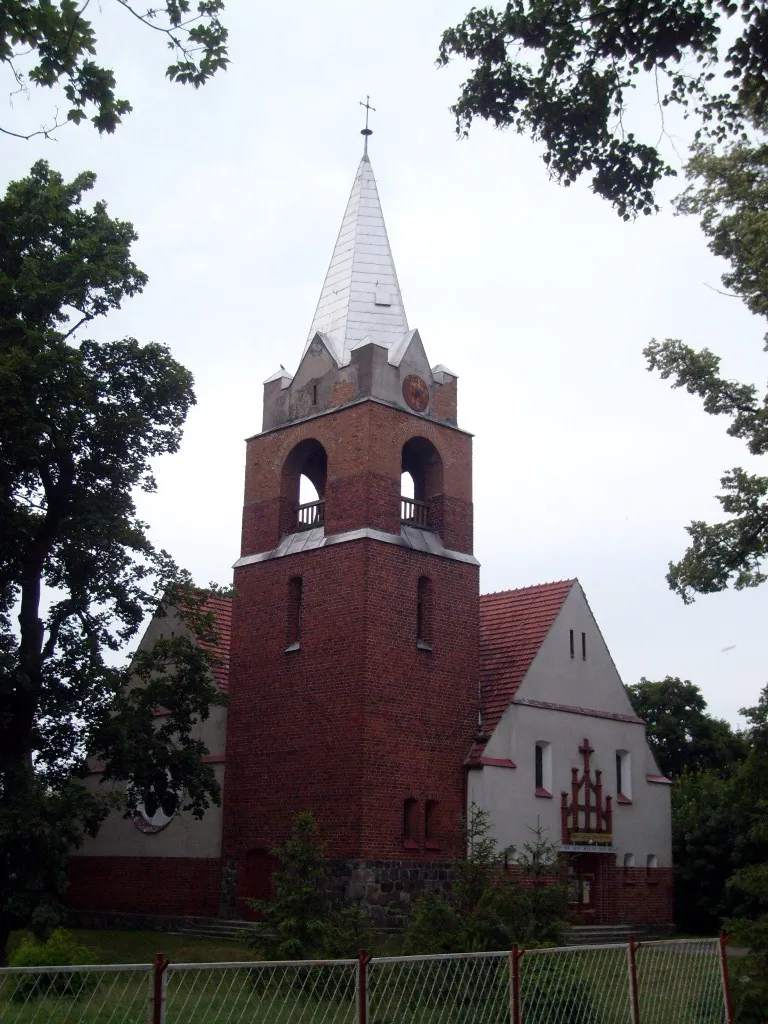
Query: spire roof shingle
point(361, 297)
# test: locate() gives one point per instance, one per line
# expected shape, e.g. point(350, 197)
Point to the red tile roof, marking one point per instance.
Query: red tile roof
point(513, 625)
point(221, 608)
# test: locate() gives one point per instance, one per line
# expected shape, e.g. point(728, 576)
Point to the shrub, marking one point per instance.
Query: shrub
point(435, 926)
point(60, 950)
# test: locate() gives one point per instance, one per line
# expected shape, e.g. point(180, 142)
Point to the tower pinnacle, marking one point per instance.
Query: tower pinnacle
point(366, 131)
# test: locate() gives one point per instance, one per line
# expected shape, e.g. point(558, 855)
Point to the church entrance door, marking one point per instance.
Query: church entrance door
point(582, 880)
point(257, 882)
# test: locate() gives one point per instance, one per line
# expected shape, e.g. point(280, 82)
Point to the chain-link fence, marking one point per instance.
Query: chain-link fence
point(672, 982)
point(121, 994)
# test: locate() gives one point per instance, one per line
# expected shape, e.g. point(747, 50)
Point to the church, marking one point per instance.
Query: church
point(368, 679)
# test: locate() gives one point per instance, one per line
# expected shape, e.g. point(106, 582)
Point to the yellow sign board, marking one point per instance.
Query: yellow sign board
point(591, 838)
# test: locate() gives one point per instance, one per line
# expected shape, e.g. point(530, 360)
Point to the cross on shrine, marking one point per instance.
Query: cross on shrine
point(366, 131)
point(586, 750)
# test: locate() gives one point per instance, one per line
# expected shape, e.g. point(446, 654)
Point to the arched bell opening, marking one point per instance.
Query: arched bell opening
point(302, 487)
point(421, 470)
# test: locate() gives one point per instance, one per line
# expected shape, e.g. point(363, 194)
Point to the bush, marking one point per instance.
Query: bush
point(60, 950)
point(434, 927)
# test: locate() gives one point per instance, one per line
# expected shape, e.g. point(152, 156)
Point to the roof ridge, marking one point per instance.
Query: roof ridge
point(531, 586)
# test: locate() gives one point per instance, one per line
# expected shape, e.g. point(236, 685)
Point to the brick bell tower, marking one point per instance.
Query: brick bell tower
point(354, 659)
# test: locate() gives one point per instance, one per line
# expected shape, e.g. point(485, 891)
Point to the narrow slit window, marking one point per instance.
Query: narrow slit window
point(583, 646)
point(543, 768)
point(624, 775)
point(424, 613)
point(572, 649)
point(295, 601)
point(409, 818)
point(314, 394)
point(430, 816)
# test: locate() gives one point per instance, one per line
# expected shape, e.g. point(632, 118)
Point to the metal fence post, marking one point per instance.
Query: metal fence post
point(362, 987)
point(634, 1001)
point(515, 956)
point(158, 989)
point(722, 942)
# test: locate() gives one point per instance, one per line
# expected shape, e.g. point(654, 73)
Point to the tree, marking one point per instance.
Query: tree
point(730, 195)
point(52, 43)
point(682, 736)
point(298, 914)
point(720, 838)
point(563, 73)
point(492, 907)
point(79, 424)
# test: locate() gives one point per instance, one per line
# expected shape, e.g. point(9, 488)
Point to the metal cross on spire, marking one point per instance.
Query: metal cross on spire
point(366, 131)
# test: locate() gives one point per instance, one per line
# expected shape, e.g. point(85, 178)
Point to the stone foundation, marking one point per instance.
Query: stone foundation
point(386, 889)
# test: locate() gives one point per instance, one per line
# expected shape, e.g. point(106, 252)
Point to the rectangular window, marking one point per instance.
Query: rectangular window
point(583, 646)
point(295, 600)
point(623, 776)
point(543, 768)
point(572, 650)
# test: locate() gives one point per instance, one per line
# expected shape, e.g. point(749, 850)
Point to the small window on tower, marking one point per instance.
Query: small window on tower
point(430, 825)
point(295, 597)
point(410, 826)
point(424, 614)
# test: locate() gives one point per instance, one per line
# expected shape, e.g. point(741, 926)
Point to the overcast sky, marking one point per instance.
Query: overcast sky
point(537, 296)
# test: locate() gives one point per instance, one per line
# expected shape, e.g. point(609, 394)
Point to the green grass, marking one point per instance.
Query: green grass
point(125, 947)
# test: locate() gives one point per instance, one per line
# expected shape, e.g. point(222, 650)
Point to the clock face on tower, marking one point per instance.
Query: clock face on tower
point(415, 393)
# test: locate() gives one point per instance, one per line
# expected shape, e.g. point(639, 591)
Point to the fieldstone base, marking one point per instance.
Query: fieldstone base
point(386, 889)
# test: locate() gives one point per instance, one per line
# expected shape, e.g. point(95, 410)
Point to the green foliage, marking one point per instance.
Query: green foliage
point(563, 73)
point(729, 192)
point(298, 913)
point(346, 932)
point(749, 975)
point(52, 44)
point(682, 736)
point(61, 949)
point(79, 426)
point(435, 926)
point(707, 842)
point(491, 908)
point(720, 836)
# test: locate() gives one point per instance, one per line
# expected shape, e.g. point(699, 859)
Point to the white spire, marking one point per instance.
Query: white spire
point(360, 300)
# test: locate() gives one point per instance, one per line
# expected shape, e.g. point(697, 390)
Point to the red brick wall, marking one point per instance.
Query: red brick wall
point(364, 446)
point(643, 896)
point(358, 719)
point(632, 895)
point(145, 885)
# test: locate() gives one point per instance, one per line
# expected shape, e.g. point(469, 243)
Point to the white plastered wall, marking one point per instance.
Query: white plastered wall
point(641, 827)
point(185, 836)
